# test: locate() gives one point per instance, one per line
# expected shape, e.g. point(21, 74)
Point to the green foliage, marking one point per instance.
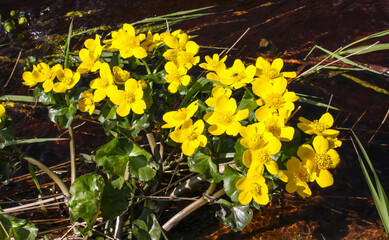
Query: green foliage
point(230, 178)
point(15, 228)
point(234, 216)
point(149, 230)
point(204, 165)
point(85, 202)
point(115, 202)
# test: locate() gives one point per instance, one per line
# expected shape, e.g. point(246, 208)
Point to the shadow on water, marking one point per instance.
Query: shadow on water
point(287, 29)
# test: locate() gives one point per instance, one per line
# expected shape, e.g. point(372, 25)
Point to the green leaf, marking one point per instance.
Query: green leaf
point(7, 134)
point(113, 157)
point(234, 217)
point(19, 229)
point(18, 98)
point(139, 124)
point(152, 230)
point(239, 150)
point(247, 102)
point(197, 86)
point(115, 202)
point(62, 115)
point(204, 165)
point(43, 97)
point(85, 202)
point(231, 177)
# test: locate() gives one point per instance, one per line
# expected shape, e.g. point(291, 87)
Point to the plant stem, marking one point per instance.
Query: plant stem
point(190, 209)
point(73, 169)
point(146, 66)
point(52, 175)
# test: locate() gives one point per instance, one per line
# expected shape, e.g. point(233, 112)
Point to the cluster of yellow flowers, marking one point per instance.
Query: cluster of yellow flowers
point(42, 73)
point(316, 160)
point(2, 111)
point(262, 139)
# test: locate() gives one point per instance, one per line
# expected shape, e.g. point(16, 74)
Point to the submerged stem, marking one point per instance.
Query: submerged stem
point(191, 208)
point(73, 169)
point(52, 175)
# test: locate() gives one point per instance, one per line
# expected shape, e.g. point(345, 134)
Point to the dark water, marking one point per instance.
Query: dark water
point(291, 28)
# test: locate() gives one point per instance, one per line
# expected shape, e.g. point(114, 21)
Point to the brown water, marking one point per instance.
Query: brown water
point(344, 210)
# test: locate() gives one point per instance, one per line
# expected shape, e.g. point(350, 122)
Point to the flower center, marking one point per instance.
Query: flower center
point(275, 100)
point(262, 156)
point(271, 73)
point(323, 161)
point(301, 176)
point(226, 118)
point(192, 135)
point(128, 97)
point(255, 189)
point(319, 127)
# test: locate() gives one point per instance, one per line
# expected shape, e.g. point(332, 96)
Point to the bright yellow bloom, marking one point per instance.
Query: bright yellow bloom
point(151, 41)
point(127, 42)
point(319, 127)
point(297, 176)
point(262, 145)
point(238, 75)
point(86, 104)
point(323, 157)
point(274, 97)
point(102, 83)
point(190, 135)
point(176, 76)
point(67, 80)
point(131, 98)
point(177, 42)
point(269, 72)
point(41, 73)
point(90, 55)
point(120, 76)
point(276, 125)
point(177, 118)
point(2, 111)
point(217, 92)
point(187, 58)
point(213, 64)
point(225, 118)
point(253, 186)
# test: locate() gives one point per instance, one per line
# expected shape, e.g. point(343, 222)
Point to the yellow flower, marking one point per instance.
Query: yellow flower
point(177, 42)
point(90, 55)
point(131, 98)
point(176, 76)
point(127, 42)
point(177, 118)
point(41, 73)
point(253, 186)
point(238, 75)
point(151, 41)
point(276, 125)
point(269, 72)
point(323, 157)
point(86, 104)
point(274, 97)
point(190, 135)
point(297, 176)
point(262, 145)
point(217, 92)
point(2, 111)
point(187, 58)
point(67, 80)
point(213, 64)
point(120, 76)
point(225, 118)
point(102, 83)
point(319, 127)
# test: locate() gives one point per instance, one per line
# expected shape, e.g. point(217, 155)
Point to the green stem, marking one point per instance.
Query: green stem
point(250, 92)
point(73, 169)
point(51, 174)
point(146, 66)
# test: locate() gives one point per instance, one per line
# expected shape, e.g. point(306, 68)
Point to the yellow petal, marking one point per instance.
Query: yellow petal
point(327, 120)
point(305, 151)
point(272, 167)
point(245, 197)
point(324, 179)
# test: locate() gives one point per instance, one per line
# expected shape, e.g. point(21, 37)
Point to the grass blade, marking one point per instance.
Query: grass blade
point(18, 98)
point(379, 196)
point(375, 35)
point(68, 45)
point(35, 140)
